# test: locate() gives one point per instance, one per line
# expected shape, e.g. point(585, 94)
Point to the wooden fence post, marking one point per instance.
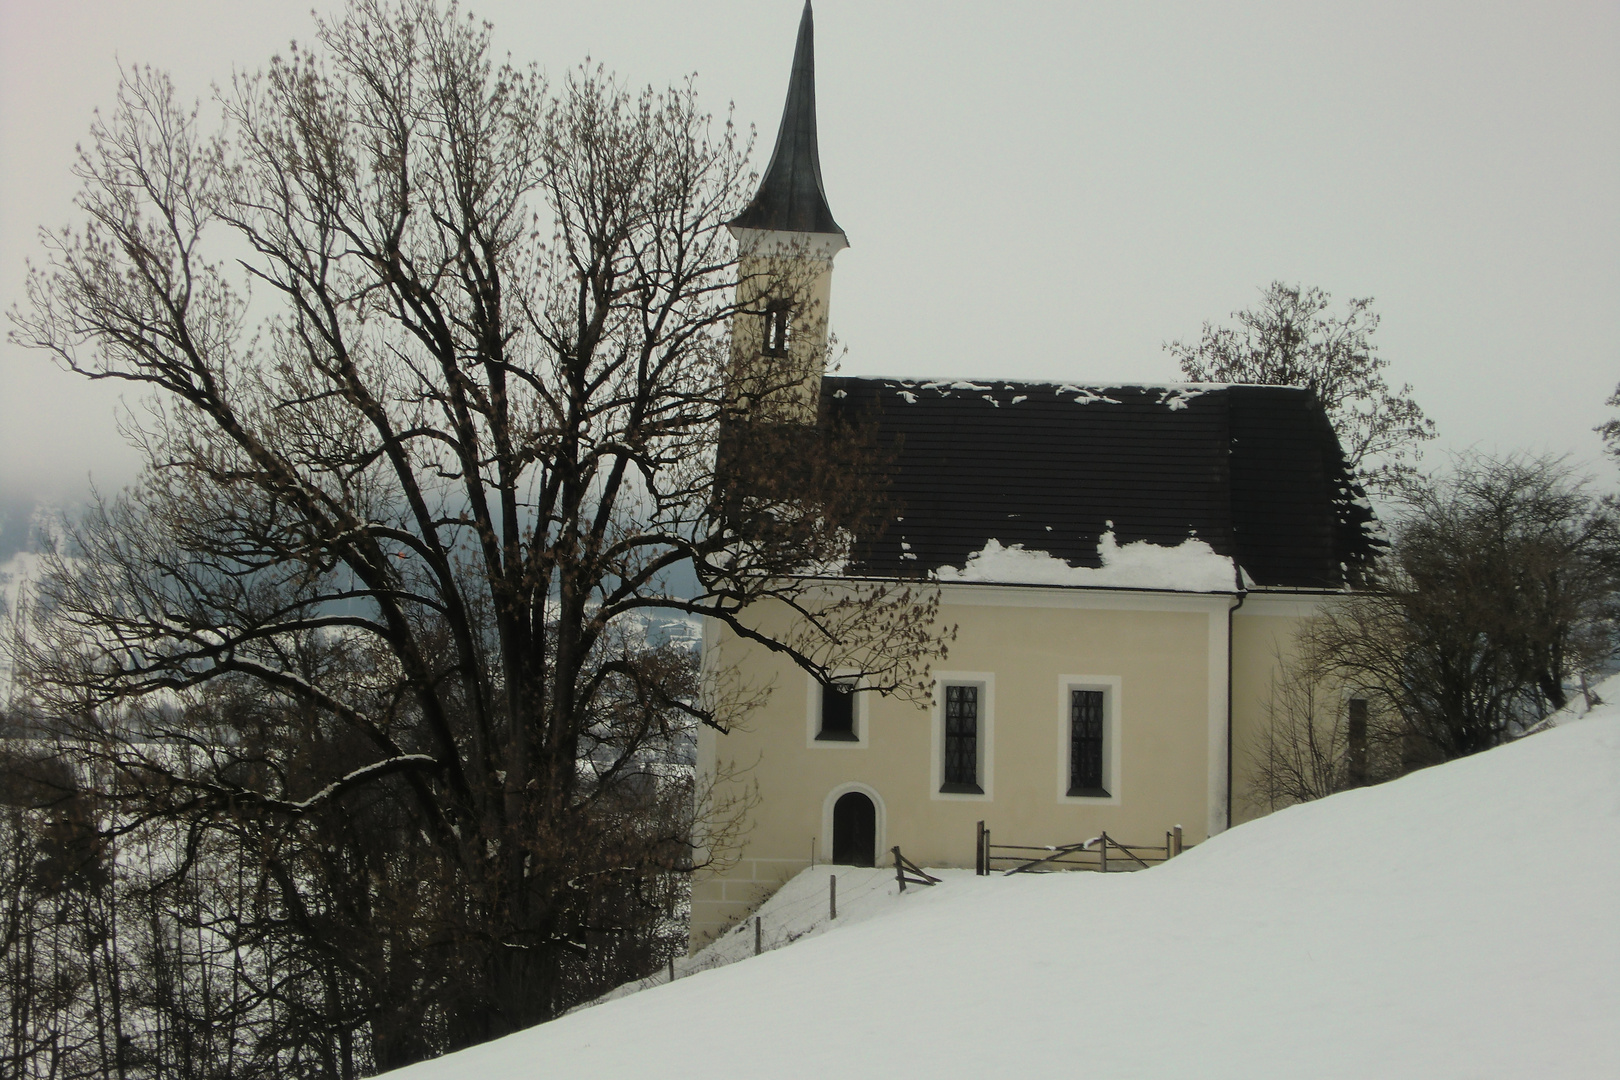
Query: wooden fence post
point(832, 897)
point(1104, 850)
point(1177, 831)
point(672, 969)
point(899, 874)
point(756, 935)
point(978, 852)
point(1169, 850)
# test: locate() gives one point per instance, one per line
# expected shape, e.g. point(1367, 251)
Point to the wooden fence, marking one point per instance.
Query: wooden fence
point(1101, 853)
point(905, 870)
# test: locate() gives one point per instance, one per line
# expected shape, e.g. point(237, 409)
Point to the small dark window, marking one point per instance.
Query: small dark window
point(1358, 742)
point(776, 329)
point(962, 741)
point(1086, 742)
point(838, 712)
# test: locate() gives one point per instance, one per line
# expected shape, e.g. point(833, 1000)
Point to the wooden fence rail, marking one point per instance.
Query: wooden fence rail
point(1092, 854)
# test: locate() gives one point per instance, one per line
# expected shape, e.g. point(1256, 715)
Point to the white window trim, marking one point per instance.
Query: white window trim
point(825, 844)
point(1113, 776)
point(986, 682)
point(812, 716)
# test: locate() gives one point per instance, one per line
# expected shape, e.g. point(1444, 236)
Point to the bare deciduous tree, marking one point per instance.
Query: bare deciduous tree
point(439, 363)
point(1610, 428)
point(1292, 340)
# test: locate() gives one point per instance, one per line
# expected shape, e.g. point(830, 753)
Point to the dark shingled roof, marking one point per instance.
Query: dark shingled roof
point(1254, 471)
point(790, 197)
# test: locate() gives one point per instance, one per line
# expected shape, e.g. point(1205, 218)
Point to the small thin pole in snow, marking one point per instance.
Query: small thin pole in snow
point(756, 935)
point(672, 969)
point(832, 897)
point(812, 853)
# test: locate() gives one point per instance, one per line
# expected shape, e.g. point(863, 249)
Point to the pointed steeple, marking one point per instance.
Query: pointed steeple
point(790, 197)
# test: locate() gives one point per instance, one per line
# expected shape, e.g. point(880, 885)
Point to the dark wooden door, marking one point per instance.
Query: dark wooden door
point(854, 830)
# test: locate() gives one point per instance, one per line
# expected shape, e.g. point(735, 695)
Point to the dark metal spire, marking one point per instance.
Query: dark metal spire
point(790, 197)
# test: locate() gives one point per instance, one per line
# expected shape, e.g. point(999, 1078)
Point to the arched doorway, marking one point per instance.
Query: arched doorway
point(854, 830)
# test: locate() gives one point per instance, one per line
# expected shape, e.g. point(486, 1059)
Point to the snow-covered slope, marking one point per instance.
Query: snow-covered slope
point(1461, 922)
point(797, 910)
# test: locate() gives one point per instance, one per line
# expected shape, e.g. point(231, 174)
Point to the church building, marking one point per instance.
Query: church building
point(1125, 565)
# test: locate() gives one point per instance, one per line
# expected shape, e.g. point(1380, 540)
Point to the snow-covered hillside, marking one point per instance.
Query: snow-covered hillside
point(1461, 922)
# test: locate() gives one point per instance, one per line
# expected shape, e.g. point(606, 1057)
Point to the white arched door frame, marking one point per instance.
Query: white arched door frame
point(879, 845)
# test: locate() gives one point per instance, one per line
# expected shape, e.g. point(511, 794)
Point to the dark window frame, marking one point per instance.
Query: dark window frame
point(961, 739)
point(839, 706)
point(1088, 742)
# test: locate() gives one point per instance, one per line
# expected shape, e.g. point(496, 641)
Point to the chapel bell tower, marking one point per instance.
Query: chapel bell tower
point(786, 241)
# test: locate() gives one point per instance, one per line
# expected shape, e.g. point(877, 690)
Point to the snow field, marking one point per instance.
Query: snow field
point(1459, 922)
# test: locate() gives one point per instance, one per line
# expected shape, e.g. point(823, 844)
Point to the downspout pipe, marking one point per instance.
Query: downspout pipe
point(1242, 595)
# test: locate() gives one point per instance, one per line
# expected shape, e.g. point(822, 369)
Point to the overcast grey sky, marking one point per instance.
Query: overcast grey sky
point(1035, 190)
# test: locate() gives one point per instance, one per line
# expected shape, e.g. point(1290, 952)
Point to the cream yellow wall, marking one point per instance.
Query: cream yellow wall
point(1162, 657)
point(802, 277)
point(1265, 632)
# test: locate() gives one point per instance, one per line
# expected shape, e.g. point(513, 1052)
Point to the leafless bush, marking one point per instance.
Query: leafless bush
point(1320, 737)
point(1495, 600)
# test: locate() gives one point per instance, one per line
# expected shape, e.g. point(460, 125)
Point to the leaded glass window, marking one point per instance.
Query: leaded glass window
point(1086, 742)
point(962, 740)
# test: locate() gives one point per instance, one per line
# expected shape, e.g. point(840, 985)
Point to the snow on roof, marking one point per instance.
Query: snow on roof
point(1458, 922)
point(1191, 566)
point(1173, 395)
